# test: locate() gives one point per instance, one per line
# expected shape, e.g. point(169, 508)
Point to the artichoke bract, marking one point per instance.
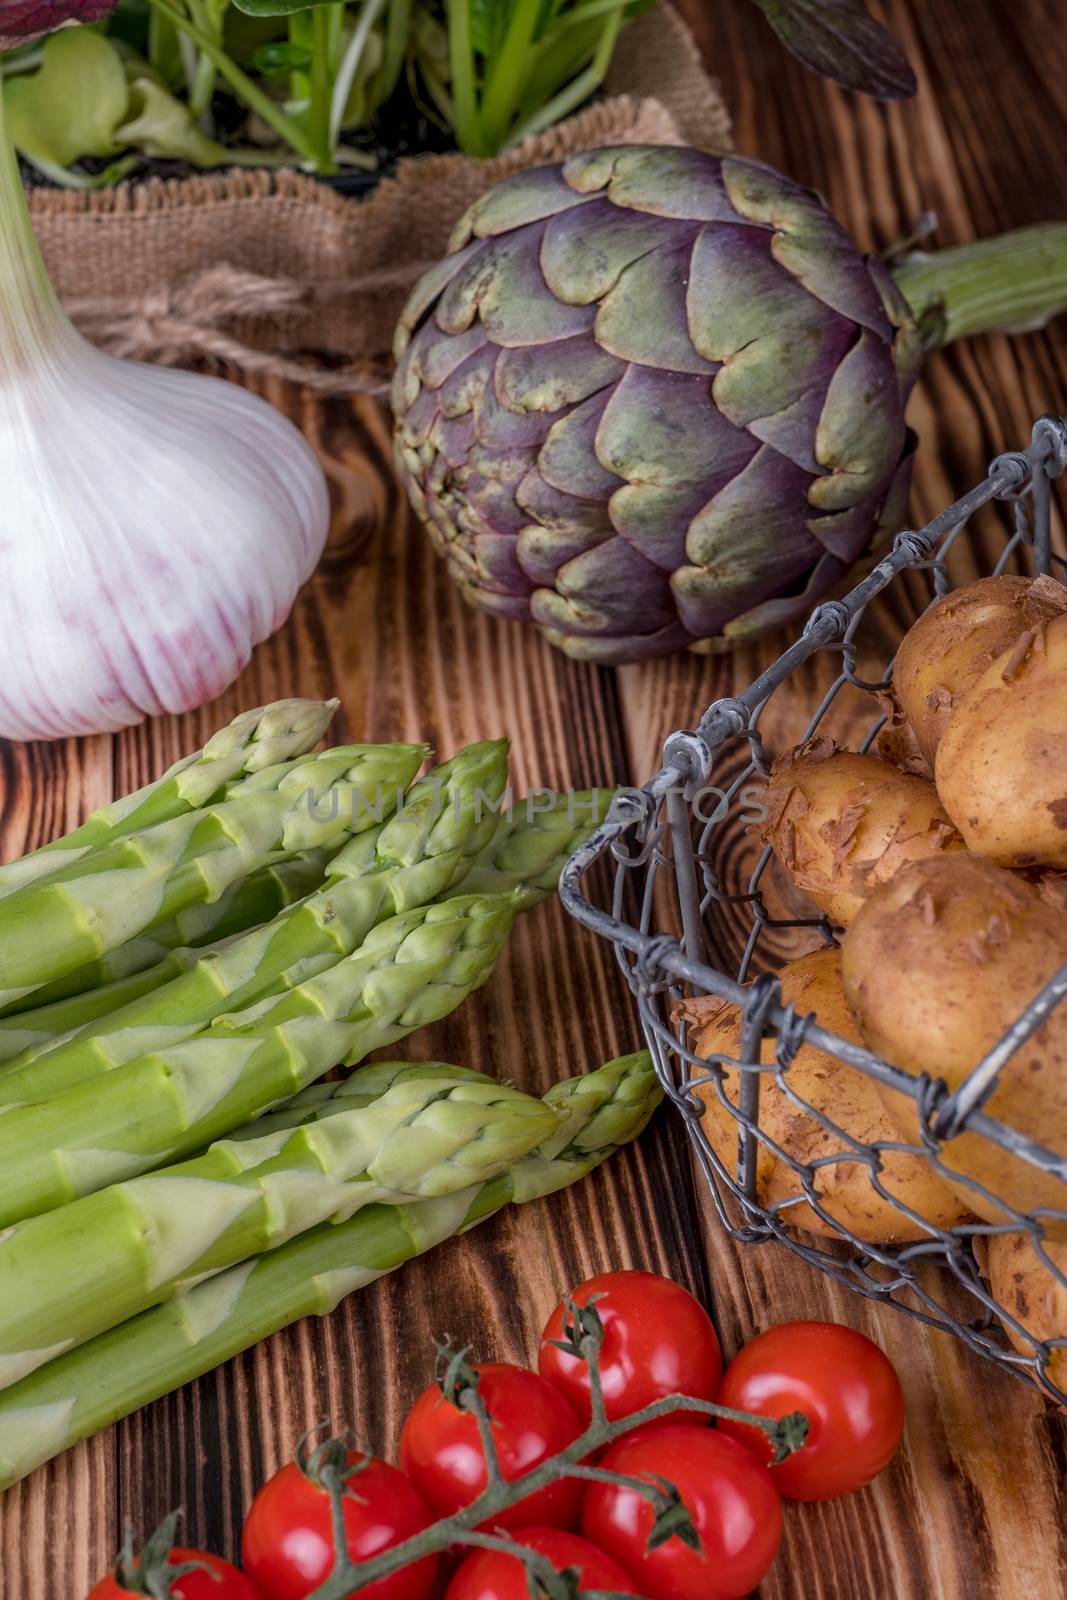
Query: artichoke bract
point(655, 397)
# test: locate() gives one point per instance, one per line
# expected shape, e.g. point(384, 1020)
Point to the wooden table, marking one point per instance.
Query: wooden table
point(972, 1505)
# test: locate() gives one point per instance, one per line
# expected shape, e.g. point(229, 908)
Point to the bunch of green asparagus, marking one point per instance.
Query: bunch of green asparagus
point(179, 973)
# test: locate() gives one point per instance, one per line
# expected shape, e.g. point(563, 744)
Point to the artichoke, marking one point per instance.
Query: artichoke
point(654, 397)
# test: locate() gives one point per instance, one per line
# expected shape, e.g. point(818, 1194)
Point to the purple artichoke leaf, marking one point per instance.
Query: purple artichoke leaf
point(838, 39)
point(28, 19)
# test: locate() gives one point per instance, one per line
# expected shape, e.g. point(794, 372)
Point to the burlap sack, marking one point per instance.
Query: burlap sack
point(274, 272)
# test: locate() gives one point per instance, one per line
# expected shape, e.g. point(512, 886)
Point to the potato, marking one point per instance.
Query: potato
point(937, 966)
point(837, 1091)
point(1023, 1285)
point(842, 823)
point(1001, 765)
point(954, 642)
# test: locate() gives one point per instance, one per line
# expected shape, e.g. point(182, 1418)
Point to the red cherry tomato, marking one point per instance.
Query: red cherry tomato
point(730, 1497)
point(846, 1388)
point(214, 1579)
point(658, 1340)
point(287, 1546)
point(491, 1575)
point(441, 1450)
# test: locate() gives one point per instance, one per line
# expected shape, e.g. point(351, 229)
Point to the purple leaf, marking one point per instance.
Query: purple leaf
point(27, 19)
point(840, 40)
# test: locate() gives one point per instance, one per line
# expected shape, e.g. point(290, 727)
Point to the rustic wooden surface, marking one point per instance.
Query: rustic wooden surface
point(973, 1504)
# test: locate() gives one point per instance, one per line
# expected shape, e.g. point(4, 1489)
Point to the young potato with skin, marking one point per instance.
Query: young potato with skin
point(937, 966)
point(836, 1091)
point(953, 643)
point(1001, 765)
point(1020, 1281)
point(842, 823)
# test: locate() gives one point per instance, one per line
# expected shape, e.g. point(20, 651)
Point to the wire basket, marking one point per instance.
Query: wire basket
point(674, 893)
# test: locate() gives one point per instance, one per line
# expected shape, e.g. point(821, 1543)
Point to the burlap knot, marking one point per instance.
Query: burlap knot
point(177, 325)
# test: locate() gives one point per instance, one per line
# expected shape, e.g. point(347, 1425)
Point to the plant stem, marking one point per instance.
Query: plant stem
point(319, 115)
point(464, 89)
point(350, 1578)
point(346, 75)
point(284, 126)
point(504, 86)
point(397, 33)
point(1012, 283)
point(576, 92)
point(205, 74)
point(31, 319)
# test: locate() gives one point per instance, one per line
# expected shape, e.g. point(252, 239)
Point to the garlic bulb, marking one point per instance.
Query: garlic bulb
point(154, 524)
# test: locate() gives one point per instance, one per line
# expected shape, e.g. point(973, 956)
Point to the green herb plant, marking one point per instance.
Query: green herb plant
point(282, 82)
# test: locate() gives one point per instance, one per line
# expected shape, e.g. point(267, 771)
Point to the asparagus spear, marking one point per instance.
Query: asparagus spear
point(528, 851)
point(254, 740)
point(534, 843)
point(145, 964)
point(116, 892)
point(76, 1271)
point(443, 821)
point(131, 1365)
point(411, 970)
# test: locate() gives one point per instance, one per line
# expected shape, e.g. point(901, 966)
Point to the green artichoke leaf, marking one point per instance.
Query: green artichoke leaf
point(840, 40)
point(160, 125)
point(73, 104)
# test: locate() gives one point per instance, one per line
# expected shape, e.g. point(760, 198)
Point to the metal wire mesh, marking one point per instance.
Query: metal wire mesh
point(669, 887)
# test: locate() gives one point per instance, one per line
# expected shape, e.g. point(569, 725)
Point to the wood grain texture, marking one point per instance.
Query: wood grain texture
point(974, 1503)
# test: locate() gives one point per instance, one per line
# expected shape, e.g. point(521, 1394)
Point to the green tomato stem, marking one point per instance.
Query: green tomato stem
point(505, 80)
point(350, 1578)
point(1012, 283)
point(284, 126)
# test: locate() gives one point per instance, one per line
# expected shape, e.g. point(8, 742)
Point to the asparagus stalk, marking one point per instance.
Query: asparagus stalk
point(146, 964)
point(534, 844)
point(411, 970)
point(81, 1269)
point(131, 1365)
point(527, 852)
point(254, 740)
point(443, 821)
point(442, 826)
point(114, 893)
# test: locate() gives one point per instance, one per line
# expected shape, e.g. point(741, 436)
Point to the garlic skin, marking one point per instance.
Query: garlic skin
point(155, 524)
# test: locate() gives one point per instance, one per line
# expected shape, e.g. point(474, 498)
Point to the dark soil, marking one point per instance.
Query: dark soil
point(400, 129)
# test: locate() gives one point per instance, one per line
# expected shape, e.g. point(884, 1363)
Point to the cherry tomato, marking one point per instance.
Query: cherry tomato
point(846, 1388)
point(658, 1340)
point(441, 1450)
point(287, 1546)
point(491, 1575)
point(730, 1497)
point(214, 1579)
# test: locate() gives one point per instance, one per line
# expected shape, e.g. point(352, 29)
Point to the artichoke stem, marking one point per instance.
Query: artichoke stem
point(1012, 283)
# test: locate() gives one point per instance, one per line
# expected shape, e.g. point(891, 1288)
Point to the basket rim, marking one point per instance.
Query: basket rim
point(688, 757)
